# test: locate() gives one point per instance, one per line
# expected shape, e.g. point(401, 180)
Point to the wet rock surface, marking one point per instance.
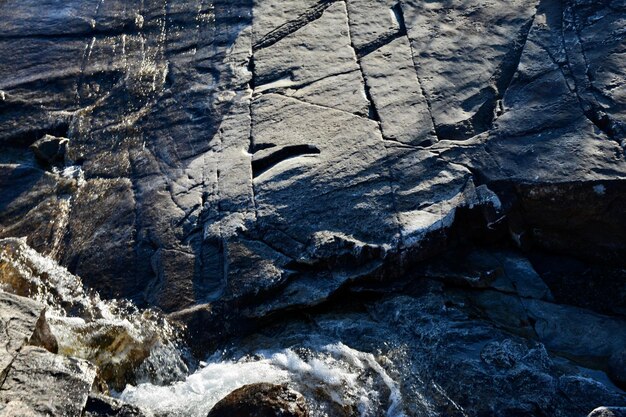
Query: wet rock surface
point(261, 400)
point(103, 406)
point(455, 170)
point(41, 383)
point(23, 323)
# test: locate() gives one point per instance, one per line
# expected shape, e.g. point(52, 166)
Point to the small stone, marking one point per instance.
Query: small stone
point(50, 149)
point(103, 406)
point(261, 400)
point(608, 412)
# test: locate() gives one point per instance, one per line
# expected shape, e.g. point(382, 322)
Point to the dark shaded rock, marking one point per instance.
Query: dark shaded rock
point(50, 150)
point(595, 286)
point(261, 400)
point(608, 412)
point(102, 406)
point(617, 368)
point(42, 383)
point(431, 342)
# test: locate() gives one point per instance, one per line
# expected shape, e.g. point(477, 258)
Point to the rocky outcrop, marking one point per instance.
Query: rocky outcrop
point(331, 139)
point(113, 335)
point(240, 162)
point(22, 323)
point(41, 383)
point(261, 400)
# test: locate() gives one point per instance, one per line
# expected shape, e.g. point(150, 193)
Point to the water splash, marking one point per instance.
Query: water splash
point(335, 380)
point(125, 342)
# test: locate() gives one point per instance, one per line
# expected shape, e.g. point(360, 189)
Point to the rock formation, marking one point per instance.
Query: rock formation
point(244, 164)
point(261, 400)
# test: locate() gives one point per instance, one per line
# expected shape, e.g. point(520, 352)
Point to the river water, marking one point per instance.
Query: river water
point(140, 355)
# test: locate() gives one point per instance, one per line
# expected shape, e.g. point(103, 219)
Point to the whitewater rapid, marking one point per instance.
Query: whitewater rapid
point(331, 378)
point(140, 355)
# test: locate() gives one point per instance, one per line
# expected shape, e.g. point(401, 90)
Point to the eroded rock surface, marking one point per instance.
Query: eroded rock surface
point(41, 383)
point(22, 323)
point(236, 161)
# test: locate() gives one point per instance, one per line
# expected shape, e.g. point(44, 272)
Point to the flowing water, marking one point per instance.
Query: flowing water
point(334, 379)
point(140, 357)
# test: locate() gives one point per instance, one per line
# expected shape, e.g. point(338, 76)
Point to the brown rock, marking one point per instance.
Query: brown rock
point(261, 400)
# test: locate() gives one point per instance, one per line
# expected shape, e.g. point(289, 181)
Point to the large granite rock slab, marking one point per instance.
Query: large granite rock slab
point(231, 161)
point(198, 140)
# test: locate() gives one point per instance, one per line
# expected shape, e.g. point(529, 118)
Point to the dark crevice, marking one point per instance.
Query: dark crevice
point(292, 26)
point(487, 113)
point(187, 215)
point(298, 86)
point(261, 165)
point(399, 15)
point(255, 148)
point(25, 138)
point(385, 38)
point(378, 43)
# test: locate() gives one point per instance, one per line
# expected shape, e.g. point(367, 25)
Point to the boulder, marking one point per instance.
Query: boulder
point(608, 412)
point(261, 400)
point(22, 322)
point(42, 383)
point(103, 406)
point(50, 149)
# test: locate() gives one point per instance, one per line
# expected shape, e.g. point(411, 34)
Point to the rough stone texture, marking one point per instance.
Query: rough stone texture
point(103, 406)
point(231, 161)
point(41, 383)
point(261, 400)
point(203, 137)
point(608, 412)
point(437, 341)
point(22, 322)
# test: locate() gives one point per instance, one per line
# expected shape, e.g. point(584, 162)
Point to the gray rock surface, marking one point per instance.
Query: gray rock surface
point(195, 147)
point(608, 412)
point(235, 161)
point(22, 323)
point(41, 383)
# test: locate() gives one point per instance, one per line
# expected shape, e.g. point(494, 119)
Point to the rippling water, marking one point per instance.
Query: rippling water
point(125, 342)
point(333, 378)
point(139, 355)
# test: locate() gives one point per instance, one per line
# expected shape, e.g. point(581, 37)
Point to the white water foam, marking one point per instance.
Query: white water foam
point(111, 333)
point(331, 377)
point(334, 376)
